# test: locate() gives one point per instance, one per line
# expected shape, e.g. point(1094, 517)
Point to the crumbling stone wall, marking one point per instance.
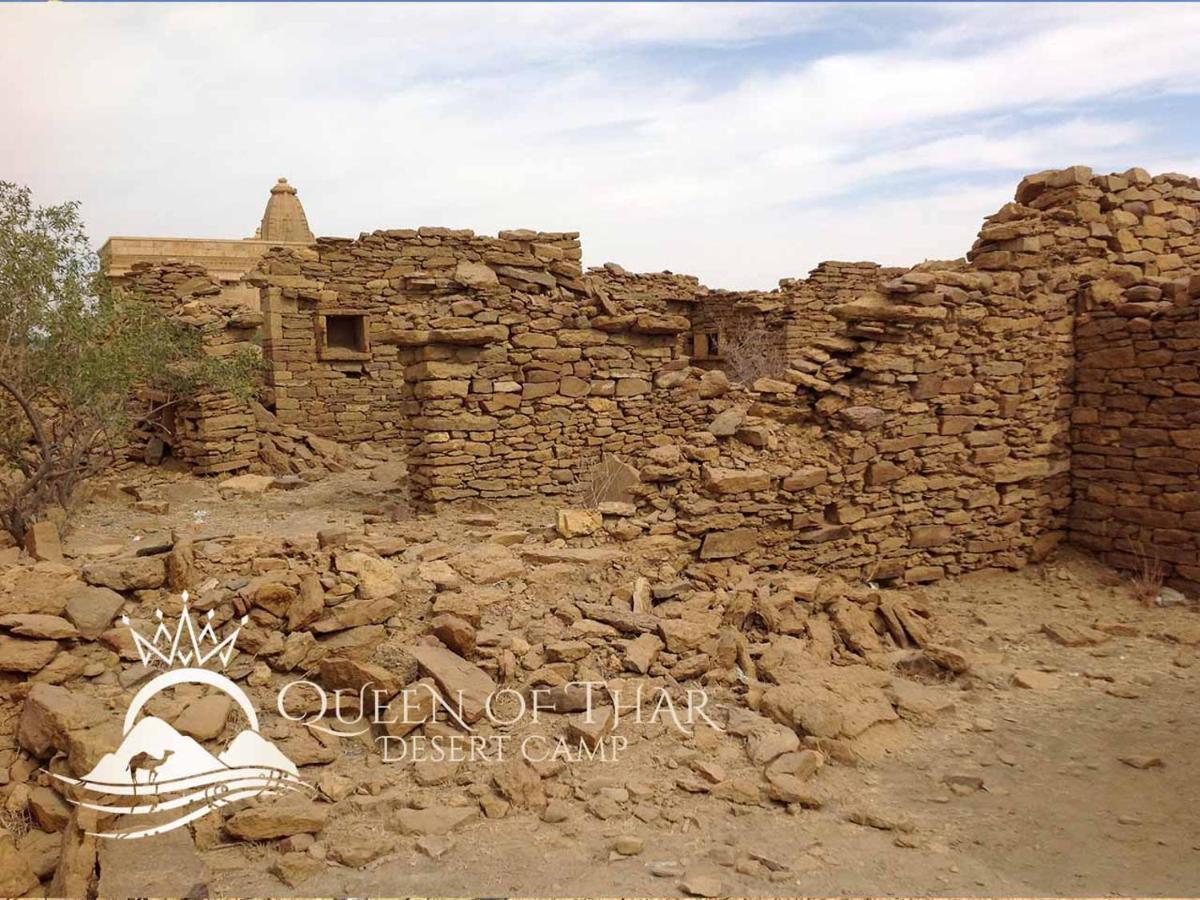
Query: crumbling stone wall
point(764, 332)
point(213, 431)
point(941, 449)
point(744, 334)
point(810, 301)
point(939, 427)
point(502, 368)
point(922, 423)
point(1124, 248)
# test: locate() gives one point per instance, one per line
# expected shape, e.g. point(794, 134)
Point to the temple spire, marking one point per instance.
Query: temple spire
point(284, 218)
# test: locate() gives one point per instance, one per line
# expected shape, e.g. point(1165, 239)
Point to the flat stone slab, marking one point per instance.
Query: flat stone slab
point(580, 555)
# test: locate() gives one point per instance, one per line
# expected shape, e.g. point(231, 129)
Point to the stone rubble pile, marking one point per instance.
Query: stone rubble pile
point(797, 668)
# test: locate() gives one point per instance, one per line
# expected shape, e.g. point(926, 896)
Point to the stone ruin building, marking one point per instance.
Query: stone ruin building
point(898, 424)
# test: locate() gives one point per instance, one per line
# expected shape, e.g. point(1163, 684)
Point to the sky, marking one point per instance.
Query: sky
point(740, 142)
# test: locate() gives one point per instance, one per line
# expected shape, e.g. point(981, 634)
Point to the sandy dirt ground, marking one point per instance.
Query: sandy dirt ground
point(1083, 784)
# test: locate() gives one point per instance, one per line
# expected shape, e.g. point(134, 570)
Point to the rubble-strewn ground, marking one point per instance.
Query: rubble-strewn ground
point(934, 781)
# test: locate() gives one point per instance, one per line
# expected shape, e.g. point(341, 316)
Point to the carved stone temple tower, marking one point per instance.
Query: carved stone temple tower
point(284, 220)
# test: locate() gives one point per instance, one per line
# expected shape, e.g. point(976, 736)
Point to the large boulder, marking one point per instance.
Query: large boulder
point(42, 627)
point(853, 625)
point(353, 643)
point(726, 424)
point(520, 785)
point(834, 702)
point(788, 659)
point(578, 522)
point(352, 675)
point(377, 578)
point(276, 820)
point(713, 383)
point(809, 708)
point(687, 635)
point(25, 656)
point(356, 613)
point(204, 719)
point(44, 589)
point(275, 597)
point(17, 879)
point(309, 602)
point(41, 542)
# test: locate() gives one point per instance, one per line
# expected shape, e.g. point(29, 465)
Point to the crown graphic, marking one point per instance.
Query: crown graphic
point(189, 645)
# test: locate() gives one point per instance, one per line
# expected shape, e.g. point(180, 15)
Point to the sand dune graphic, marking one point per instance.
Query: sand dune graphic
point(189, 781)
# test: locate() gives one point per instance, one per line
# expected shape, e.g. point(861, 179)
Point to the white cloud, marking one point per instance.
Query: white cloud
point(711, 138)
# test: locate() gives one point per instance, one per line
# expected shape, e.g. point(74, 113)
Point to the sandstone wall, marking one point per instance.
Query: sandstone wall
point(809, 301)
point(939, 420)
point(501, 366)
point(1136, 464)
point(1125, 247)
point(765, 332)
point(213, 431)
point(937, 445)
point(916, 423)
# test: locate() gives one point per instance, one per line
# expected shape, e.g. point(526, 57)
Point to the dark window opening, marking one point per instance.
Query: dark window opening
point(706, 345)
point(346, 333)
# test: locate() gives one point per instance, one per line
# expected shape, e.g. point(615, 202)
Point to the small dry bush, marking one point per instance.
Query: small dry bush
point(18, 823)
point(751, 352)
point(1148, 577)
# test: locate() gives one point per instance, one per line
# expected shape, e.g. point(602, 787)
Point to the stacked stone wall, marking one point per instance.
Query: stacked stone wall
point(1127, 244)
point(502, 367)
point(941, 449)
point(939, 419)
point(1136, 465)
point(921, 424)
point(809, 301)
point(213, 431)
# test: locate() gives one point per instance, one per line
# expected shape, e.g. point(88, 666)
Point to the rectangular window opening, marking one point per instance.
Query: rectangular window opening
point(706, 345)
point(343, 336)
point(346, 333)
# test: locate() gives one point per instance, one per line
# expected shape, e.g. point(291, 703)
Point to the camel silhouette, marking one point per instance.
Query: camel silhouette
point(148, 763)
